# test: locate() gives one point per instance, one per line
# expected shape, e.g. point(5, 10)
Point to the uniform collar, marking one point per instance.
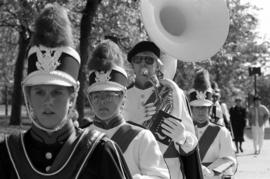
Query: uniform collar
point(59, 136)
point(116, 121)
point(201, 125)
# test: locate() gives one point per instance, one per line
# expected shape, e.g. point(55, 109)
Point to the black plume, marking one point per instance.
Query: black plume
point(105, 56)
point(202, 80)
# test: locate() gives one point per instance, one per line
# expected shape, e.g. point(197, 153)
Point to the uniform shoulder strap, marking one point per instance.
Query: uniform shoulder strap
point(207, 139)
point(125, 134)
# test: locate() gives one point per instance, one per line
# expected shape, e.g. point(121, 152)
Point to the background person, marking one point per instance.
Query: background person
point(238, 116)
point(258, 115)
point(216, 112)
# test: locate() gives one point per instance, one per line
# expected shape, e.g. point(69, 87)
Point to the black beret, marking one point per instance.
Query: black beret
point(144, 46)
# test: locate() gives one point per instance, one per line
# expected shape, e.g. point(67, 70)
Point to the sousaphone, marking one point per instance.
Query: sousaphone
point(189, 30)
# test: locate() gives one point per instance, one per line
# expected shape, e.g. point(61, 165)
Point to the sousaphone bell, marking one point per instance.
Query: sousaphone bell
point(189, 30)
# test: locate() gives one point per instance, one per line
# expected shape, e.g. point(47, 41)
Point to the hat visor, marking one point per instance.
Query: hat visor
point(105, 86)
point(201, 103)
point(49, 78)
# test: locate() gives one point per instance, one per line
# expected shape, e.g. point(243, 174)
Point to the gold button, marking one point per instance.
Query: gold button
point(48, 155)
point(48, 168)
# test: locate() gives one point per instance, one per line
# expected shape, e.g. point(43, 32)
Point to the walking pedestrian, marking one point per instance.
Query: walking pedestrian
point(257, 116)
point(238, 116)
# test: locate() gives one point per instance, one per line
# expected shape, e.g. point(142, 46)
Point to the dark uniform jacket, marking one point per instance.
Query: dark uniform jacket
point(22, 156)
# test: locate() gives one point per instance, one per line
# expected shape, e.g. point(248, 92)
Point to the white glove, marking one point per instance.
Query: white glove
point(136, 176)
point(207, 172)
point(174, 129)
point(150, 110)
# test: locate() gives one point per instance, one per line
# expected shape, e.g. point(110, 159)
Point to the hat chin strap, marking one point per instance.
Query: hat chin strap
point(57, 128)
point(48, 130)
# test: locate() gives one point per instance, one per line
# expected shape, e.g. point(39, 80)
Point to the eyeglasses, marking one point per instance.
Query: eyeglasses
point(106, 97)
point(147, 59)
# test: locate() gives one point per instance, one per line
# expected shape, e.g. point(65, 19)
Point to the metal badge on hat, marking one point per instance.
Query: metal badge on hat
point(102, 77)
point(47, 58)
point(201, 95)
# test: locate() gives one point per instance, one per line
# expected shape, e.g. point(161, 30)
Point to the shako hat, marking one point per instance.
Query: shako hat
point(216, 90)
point(201, 93)
point(51, 59)
point(106, 69)
point(55, 66)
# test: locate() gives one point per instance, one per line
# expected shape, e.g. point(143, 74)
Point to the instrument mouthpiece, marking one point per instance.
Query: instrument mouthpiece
point(145, 72)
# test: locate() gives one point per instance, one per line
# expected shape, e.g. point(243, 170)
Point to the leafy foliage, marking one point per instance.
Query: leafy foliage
point(120, 21)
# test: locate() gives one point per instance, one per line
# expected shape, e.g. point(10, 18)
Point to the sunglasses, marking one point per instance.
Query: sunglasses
point(148, 60)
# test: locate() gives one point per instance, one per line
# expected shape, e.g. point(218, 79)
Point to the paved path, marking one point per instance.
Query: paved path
point(254, 166)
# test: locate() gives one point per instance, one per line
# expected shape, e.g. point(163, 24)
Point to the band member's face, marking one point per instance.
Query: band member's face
point(50, 104)
point(200, 113)
point(144, 65)
point(106, 104)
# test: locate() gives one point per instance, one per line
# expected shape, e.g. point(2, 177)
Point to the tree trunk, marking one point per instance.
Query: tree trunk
point(86, 23)
point(17, 99)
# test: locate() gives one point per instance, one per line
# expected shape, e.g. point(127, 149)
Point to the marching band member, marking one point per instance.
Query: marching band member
point(148, 97)
point(215, 143)
point(216, 112)
point(52, 147)
point(107, 95)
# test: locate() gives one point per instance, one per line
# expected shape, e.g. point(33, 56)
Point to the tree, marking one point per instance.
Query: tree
point(229, 66)
point(17, 16)
point(86, 26)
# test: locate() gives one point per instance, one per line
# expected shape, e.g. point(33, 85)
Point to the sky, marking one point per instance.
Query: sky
point(263, 16)
point(263, 27)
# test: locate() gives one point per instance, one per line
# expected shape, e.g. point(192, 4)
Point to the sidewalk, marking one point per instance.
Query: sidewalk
point(254, 166)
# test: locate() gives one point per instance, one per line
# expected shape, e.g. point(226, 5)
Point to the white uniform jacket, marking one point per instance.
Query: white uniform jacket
point(134, 111)
point(143, 155)
point(222, 147)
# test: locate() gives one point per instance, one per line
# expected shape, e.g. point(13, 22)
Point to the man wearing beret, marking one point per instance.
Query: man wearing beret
point(150, 94)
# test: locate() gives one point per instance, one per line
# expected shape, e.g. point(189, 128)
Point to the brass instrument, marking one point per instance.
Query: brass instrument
point(188, 30)
point(166, 102)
